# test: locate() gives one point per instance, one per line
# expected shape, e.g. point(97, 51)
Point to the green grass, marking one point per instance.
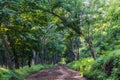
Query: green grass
point(6, 74)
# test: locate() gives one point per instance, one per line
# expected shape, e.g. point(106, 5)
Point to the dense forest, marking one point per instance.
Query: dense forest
point(82, 34)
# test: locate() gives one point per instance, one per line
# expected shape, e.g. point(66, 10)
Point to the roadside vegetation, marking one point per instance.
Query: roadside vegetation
point(18, 74)
point(105, 67)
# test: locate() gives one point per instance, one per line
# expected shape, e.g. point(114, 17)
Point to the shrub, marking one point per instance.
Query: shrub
point(106, 67)
point(83, 65)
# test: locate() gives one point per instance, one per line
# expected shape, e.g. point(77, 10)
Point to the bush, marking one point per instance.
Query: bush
point(107, 67)
point(83, 65)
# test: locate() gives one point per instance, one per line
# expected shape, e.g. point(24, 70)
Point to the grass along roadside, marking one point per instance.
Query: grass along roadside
point(16, 74)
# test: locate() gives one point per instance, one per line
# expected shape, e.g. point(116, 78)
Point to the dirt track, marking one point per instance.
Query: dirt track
point(60, 72)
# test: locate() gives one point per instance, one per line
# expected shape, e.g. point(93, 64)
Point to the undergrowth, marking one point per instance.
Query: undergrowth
point(18, 74)
point(83, 65)
point(106, 67)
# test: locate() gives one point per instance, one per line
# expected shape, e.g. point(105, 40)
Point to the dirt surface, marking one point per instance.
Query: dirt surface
point(60, 72)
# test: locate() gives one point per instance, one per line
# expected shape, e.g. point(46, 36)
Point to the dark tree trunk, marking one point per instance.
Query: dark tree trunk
point(29, 61)
point(5, 44)
point(55, 58)
point(12, 45)
point(7, 52)
point(72, 55)
point(22, 56)
point(88, 40)
point(15, 58)
point(78, 54)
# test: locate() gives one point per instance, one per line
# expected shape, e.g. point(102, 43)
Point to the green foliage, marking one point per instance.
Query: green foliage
point(83, 65)
point(106, 67)
point(6, 74)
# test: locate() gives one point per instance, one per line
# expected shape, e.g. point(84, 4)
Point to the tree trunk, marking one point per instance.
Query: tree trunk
point(73, 48)
point(34, 57)
point(7, 51)
point(54, 58)
point(15, 58)
point(91, 48)
point(13, 46)
point(43, 58)
point(78, 54)
point(22, 55)
point(29, 60)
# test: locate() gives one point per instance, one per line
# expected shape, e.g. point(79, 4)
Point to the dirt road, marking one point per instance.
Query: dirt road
point(60, 72)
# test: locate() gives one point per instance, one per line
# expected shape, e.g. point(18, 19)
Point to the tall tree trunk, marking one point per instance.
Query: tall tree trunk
point(34, 57)
point(15, 58)
point(29, 59)
point(7, 51)
point(11, 40)
point(78, 57)
point(38, 58)
point(73, 48)
point(43, 58)
point(88, 40)
point(54, 58)
point(22, 55)
point(5, 43)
